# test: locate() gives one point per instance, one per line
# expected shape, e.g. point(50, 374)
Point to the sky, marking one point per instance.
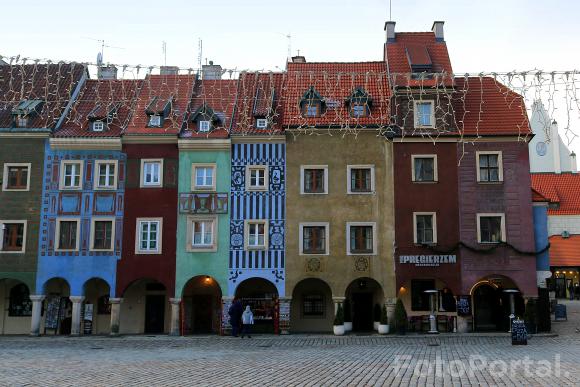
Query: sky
point(489, 36)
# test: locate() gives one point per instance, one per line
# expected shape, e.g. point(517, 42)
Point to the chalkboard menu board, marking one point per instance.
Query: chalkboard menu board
point(88, 319)
point(464, 306)
point(519, 333)
point(560, 313)
point(52, 312)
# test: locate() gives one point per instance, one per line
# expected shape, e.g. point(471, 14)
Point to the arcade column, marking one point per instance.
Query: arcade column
point(284, 310)
point(115, 315)
point(77, 306)
point(175, 320)
point(337, 301)
point(36, 310)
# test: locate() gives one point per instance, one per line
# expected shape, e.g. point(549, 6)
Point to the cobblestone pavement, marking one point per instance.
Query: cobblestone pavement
point(288, 360)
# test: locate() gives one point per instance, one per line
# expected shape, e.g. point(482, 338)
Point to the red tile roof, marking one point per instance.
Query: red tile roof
point(108, 100)
point(176, 89)
point(538, 197)
point(421, 45)
point(220, 97)
point(260, 95)
point(484, 106)
point(562, 190)
point(565, 251)
point(54, 84)
point(335, 82)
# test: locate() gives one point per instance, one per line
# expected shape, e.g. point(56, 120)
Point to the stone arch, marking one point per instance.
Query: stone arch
point(145, 307)
point(97, 292)
point(363, 294)
point(201, 299)
point(312, 307)
point(15, 306)
point(262, 297)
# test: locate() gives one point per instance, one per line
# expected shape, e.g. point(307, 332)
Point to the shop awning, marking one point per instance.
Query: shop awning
point(565, 251)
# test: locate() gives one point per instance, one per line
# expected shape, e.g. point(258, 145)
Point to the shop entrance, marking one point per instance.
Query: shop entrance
point(487, 308)
point(202, 304)
point(154, 313)
point(57, 307)
point(262, 297)
point(363, 294)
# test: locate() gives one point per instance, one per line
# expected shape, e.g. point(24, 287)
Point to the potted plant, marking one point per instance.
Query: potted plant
point(376, 317)
point(400, 317)
point(347, 316)
point(531, 316)
point(338, 327)
point(384, 323)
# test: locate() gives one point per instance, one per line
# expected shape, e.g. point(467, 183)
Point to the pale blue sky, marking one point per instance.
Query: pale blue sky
point(491, 35)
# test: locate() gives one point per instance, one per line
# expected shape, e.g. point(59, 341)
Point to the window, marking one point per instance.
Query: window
point(361, 238)
point(313, 305)
point(424, 116)
point(360, 179)
point(256, 178)
point(21, 121)
point(148, 239)
point(359, 110)
point(103, 234)
point(98, 126)
point(13, 236)
point(16, 177)
point(489, 167)
point(202, 233)
point(314, 238)
point(106, 174)
point(155, 121)
point(71, 174)
point(204, 126)
point(19, 304)
point(425, 227)
point(314, 179)
point(424, 168)
point(420, 299)
point(151, 172)
point(261, 123)
point(67, 233)
point(311, 110)
point(203, 177)
point(490, 228)
point(256, 234)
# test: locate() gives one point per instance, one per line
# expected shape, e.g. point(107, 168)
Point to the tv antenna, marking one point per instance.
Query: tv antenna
point(289, 37)
point(101, 54)
point(199, 52)
point(390, 10)
point(164, 50)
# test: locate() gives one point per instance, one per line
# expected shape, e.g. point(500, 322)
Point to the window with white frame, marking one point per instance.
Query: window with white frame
point(491, 228)
point(424, 168)
point(424, 114)
point(13, 236)
point(489, 166)
point(71, 174)
point(203, 177)
point(151, 172)
point(314, 179)
point(261, 123)
point(102, 234)
point(148, 238)
point(106, 174)
point(425, 227)
point(16, 177)
point(204, 126)
point(67, 234)
point(256, 234)
point(361, 238)
point(202, 232)
point(360, 179)
point(314, 238)
point(155, 121)
point(256, 178)
point(98, 126)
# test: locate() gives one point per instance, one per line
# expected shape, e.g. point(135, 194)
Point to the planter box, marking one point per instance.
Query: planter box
point(383, 329)
point(376, 325)
point(338, 330)
point(347, 326)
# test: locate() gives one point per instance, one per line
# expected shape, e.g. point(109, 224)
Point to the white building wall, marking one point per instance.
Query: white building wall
point(559, 223)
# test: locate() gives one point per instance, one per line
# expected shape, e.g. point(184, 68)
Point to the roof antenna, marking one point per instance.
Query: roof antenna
point(199, 52)
point(390, 10)
point(164, 49)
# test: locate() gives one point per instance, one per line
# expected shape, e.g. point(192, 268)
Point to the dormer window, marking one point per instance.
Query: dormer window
point(358, 111)
point(204, 126)
point(158, 110)
point(24, 109)
point(261, 123)
point(98, 126)
point(359, 103)
point(312, 104)
point(312, 110)
point(155, 121)
point(21, 121)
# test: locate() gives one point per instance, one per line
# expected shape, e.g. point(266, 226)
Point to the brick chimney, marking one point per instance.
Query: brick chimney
point(211, 71)
point(390, 31)
point(299, 59)
point(107, 72)
point(169, 70)
point(438, 30)
point(573, 164)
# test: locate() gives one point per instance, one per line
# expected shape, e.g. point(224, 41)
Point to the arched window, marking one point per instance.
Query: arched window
point(20, 304)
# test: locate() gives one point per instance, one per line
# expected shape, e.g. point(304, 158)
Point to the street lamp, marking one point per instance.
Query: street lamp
point(511, 293)
point(432, 318)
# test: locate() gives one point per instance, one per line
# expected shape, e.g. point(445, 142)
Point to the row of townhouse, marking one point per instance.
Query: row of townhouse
point(146, 206)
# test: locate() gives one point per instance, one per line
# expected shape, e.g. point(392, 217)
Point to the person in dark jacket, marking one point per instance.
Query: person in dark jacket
point(235, 313)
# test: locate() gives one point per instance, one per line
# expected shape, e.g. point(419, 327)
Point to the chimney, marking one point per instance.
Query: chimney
point(169, 70)
point(438, 31)
point(107, 72)
point(299, 59)
point(573, 165)
point(211, 71)
point(390, 30)
point(555, 142)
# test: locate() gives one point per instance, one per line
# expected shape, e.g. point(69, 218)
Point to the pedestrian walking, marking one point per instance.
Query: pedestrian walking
point(235, 313)
point(247, 322)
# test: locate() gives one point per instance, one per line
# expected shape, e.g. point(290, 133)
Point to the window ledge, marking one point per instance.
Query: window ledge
point(361, 193)
point(425, 182)
point(256, 248)
point(139, 252)
point(365, 254)
point(12, 251)
point(425, 244)
point(490, 182)
point(257, 189)
point(205, 249)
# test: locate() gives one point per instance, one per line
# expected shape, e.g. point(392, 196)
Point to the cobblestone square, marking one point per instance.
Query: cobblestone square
point(296, 360)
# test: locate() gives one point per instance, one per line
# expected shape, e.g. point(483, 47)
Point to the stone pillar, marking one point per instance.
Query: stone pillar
point(390, 305)
point(285, 310)
point(175, 320)
point(36, 309)
point(337, 301)
point(115, 315)
point(463, 324)
point(77, 305)
point(226, 327)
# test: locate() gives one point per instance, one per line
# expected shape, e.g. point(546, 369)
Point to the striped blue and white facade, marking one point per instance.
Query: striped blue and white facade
point(267, 205)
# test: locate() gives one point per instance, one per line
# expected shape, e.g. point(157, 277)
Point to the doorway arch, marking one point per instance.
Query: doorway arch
point(15, 307)
point(312, 308)
point(57, 317)
point(202, 305)
point(363, 294)
point(491, 305)
point(97, 309)
point(145, 308)
point(262, 297)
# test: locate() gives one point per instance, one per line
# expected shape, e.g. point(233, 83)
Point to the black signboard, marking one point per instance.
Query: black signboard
point(560, 313)
point(519, 333)
point(464, 306)
point(51, 318)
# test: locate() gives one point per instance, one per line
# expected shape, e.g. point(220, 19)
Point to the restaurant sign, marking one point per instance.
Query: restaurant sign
point(427, 260)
